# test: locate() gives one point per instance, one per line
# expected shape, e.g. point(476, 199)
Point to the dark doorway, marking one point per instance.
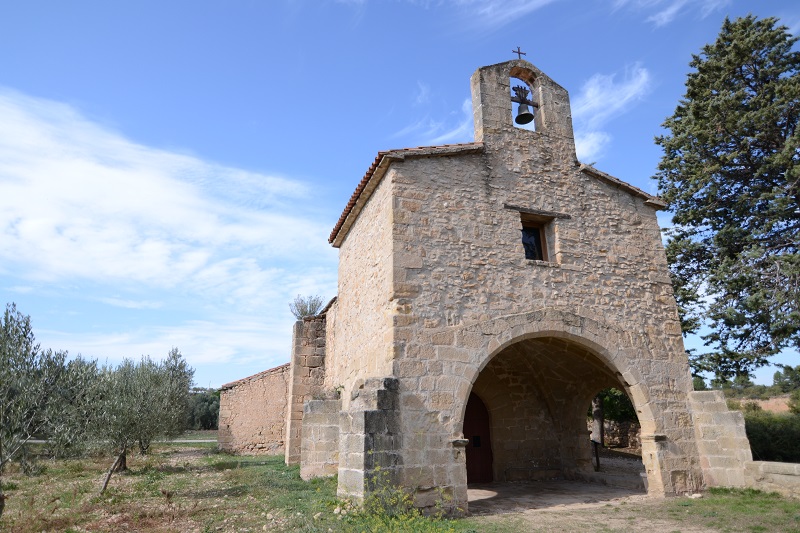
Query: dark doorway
point(479, 447)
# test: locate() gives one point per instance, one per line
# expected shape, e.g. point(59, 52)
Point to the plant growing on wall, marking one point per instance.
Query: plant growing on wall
point(303, 306)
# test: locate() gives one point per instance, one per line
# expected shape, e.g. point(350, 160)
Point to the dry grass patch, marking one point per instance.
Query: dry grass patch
point(194, 488)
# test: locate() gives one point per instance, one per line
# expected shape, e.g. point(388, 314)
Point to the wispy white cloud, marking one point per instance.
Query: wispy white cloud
point(601, 99)
point(793, 23)
point(78, 200)
point(88, 215)
point(458, 127)
point(476, 14)
point(202, 342)
point(494, 14)
point(668, 13)
point(423, 94)
point(462, 131)
point(130, 304)
point(663, 12)
point(589, 145)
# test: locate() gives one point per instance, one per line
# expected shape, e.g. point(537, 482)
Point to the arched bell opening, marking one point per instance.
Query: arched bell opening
point(536, 392)
point(524, 104)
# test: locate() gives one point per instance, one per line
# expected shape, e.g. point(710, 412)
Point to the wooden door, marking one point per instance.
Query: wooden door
point(479, 448)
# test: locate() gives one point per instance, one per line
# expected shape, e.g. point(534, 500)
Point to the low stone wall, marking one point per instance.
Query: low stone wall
point(624, 434)
point(252, 413)
point(783, 478)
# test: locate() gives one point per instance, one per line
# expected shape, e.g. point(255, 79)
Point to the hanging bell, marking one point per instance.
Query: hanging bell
point(524, 114)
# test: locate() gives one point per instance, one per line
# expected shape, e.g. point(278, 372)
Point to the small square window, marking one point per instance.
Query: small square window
point(534, 242)
point(537, 228)
point(534, 236)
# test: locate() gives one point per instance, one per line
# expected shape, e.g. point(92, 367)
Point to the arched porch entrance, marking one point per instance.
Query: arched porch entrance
point(535, 393)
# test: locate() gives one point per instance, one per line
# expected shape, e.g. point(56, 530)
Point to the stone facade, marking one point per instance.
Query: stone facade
point(783, 478)
point(252, 413)
point(535, 339)
point(441, 305)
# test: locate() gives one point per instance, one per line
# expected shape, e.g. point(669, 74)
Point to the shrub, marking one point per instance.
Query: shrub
point(616, 406)
point(794, 402)
point(203, 409)
point(773, 437)
point(303, 306)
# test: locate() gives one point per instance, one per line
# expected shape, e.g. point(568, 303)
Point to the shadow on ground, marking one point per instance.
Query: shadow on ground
point(620, 477)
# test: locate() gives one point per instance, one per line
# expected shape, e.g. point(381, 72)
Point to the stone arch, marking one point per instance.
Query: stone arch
point(611, 345)
point(620, 352)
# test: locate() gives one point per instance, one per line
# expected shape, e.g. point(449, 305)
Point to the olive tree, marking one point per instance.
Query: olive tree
point(139, 402)
point(39, 391)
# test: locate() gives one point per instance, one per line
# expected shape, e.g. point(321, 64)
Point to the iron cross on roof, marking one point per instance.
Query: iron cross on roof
point(519, 52)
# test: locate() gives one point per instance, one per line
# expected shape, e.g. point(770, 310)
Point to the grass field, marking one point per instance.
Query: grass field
point(192, 487)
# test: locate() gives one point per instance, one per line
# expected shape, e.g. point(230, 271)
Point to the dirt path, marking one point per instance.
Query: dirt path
point(624, 515)
point(572, 506)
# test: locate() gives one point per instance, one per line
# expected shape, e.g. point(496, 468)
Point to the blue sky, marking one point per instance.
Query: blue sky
point(170, 171)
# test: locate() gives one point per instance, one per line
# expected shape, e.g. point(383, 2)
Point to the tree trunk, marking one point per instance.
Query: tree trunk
point(598, 437)
point(123, 462)
point(598, 418)
point(2, 500)
point(117, 462)
point(144, 446)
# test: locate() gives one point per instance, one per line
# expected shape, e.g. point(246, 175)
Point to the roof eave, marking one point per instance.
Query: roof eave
point(649, 200)
point(375, 174)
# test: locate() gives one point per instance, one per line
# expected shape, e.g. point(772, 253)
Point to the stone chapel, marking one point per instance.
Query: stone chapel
point(487, 292)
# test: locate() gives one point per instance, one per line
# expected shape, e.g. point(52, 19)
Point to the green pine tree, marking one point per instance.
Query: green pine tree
point(731, 177)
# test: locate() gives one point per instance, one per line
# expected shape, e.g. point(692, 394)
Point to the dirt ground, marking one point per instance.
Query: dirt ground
point(560, 505)
point(779, 404)
point(573, 506)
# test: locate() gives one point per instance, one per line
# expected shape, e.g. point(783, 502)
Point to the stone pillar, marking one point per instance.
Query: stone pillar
point(319, 455)
point(721, 440)
point(225, 440)
point(369, 438)
point(306, 379)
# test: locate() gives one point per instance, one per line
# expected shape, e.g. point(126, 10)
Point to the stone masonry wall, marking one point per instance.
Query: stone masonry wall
point(362, 323)
point(369, 438)
point(783, 478)
point(306, 379)
point(514, 398)
point(721, 438)
point(456, 290)
point(319, 455)
point(459, 262)
point(252, 413)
